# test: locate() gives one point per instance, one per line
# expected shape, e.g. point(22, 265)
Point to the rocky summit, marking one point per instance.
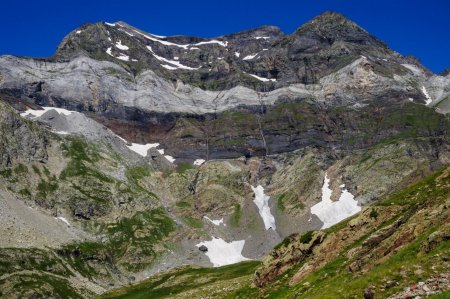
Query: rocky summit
point(257, 164)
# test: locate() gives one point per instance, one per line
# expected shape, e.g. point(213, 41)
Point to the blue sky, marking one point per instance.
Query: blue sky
point(415, 27)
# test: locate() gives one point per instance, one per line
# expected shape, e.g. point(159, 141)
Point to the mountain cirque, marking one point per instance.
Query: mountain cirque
point(162, 144)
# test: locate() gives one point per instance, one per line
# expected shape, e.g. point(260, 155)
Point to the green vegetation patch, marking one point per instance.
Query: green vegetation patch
point(187, 279)
point(236, 216)
point(20, 259)
point(37, 286)
point(139, 235)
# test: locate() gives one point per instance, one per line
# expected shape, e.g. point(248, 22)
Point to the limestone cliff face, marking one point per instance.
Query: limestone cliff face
point(274, 92)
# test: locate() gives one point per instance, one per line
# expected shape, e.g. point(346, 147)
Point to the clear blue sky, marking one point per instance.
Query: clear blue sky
point(415, 27)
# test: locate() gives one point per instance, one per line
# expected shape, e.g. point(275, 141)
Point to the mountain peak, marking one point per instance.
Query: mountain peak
point(332, 26)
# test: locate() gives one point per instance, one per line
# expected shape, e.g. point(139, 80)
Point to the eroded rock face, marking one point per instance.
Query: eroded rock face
point(20, 141)
point(293, 250)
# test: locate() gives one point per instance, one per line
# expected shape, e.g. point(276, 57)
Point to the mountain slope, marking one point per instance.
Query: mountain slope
point(207, 152)
point(401, 242)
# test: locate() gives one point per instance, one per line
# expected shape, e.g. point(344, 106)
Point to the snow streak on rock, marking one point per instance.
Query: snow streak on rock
point(63, 220)
point(199, 162)
point(262, 202)
point(427, 96)
point(215, 222)
point(262, 79)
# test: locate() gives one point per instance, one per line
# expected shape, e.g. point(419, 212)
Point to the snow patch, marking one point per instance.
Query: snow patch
point(221, 253)
point(121, 46)
point(237, 54)
point(127, 32)
point(331, 212)
point(110, 24)
point(157, 38)
point(261, 78)
point(427, 96)
point(38, 113)
point(262, 37)
point(63, 220)
point(62, 132)
point(163, 42)
point(123, 57)
point(169, 67)
point(170, 158)
point(214, 41)
point(262, 202)
point(215, 222)
point(249, 57)
point(108, 51)
point(174, 64)
point(142, 149)
point(411, 99)
point(78, 32)
point(412, 68)
point(199, 162)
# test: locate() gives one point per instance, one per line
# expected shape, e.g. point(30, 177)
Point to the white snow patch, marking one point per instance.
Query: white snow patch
point(156, 38)
point(121, 46)
point(221, 253)
point(142, 149)
point(427, 96)
point(194, 48)
point(416, 71)
point(166, 43)
point(214, 41)
point(78, 32)
point(134, 60)
point(215, 222)
point(331, 212)
point(262, 37)
point(249, 57)
point(169, 67)
point(199, 162)
point(261, 78)
point(262, 202)
point(62, 132)
point(110, 24)
point(127, 32)
point(411, 99)
point(63, 220)
point(237, 54)
point(37, 113)
point(170, 158)
point(176, 58)
point(108, 51)
point(175, 63)
point(123, 57)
